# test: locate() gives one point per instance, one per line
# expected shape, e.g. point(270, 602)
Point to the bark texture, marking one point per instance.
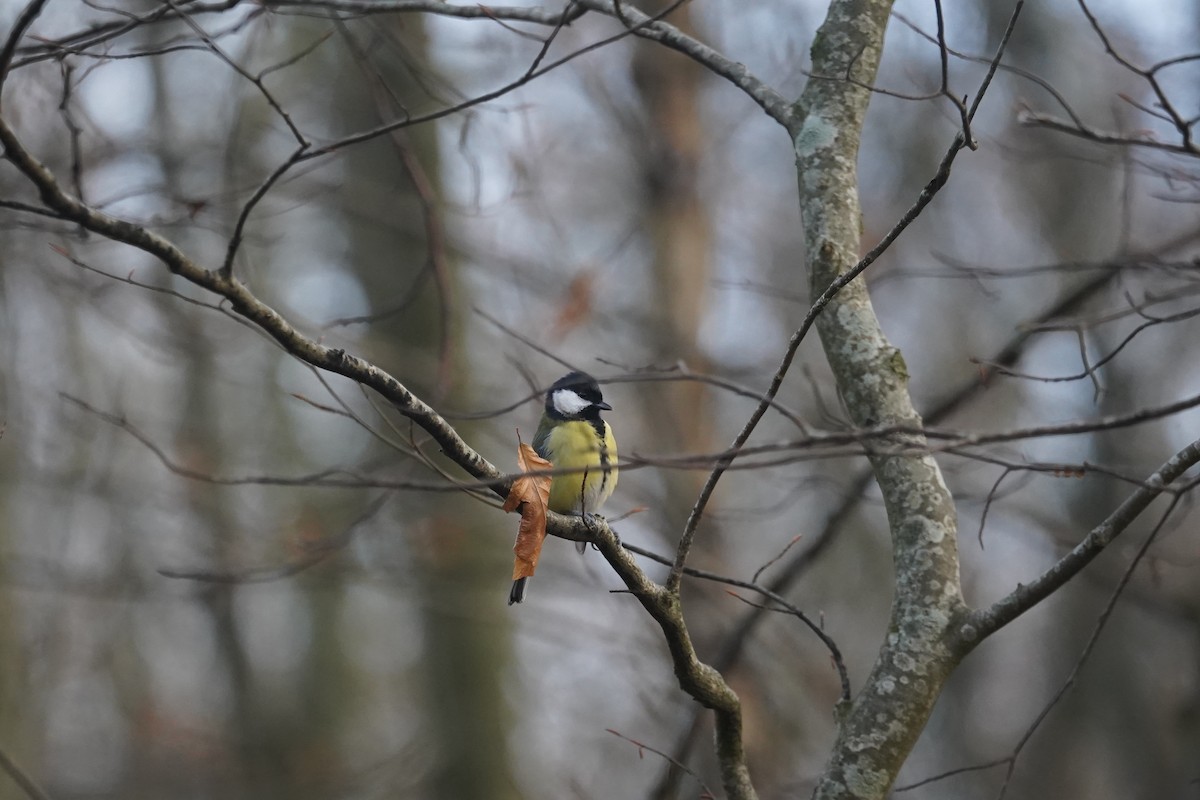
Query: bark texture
point(879, 729)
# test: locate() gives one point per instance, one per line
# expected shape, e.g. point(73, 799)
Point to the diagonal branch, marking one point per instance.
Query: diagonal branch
point(703, 683)
point(31, 789)
point(243, 302)
point(797, 566)
point(20, 26)
point(641, 24)
point(984, 622)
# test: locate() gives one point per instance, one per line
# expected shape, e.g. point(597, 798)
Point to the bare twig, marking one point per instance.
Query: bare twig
point(796, 567)
point(784, 606)
point(1181, 125)
point(255, 80)
point(926, 196)
point(777, 558)
point(1090, 367)
point(431, 212)
point(984, 622)
point(706, 793)
point(640, 24)
point(107, 31)
point(21, 778)
point(20, 26)
point(315, 553)
point(1011, 759)
point(1091, 134)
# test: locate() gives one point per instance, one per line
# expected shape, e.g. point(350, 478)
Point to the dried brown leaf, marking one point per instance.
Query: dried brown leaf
point(530, 494)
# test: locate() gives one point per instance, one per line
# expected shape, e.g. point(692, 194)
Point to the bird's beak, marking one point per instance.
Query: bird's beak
point(603, 406)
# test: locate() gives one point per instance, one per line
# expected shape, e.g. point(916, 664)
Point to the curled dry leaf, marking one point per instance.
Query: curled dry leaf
point(531, 494)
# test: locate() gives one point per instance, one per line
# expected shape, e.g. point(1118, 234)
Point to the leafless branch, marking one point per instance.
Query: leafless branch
point(315, 553)
point(1011, 759)
point(20, 25)
point(705, 792)
point(984, 622)
point(646, 27)
point(1088, 133)
point(926, 196)
point(782, 604)
point(21, 778)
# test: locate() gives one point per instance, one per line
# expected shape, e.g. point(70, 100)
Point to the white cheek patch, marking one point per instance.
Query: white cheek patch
point(568, 403)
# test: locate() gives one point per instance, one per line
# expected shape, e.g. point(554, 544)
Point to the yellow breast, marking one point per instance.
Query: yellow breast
point(576, 445)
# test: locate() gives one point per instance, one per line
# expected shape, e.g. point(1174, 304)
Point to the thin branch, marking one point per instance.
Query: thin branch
point(1101, 622)
point(1011, 759)
point(640, 24)
point(680, 371)
point(256, 80)
point(705, 792)
point(333, 478)
point(239, 228)
point(733, 646)
point(944, 89)
point(926, 196)
point(103, 32)
point(1098, 136)
point(777, 557)
point(1181, 125)
point(1090, 368)
point(705, 684)
point(984, 622)
point(315, 553)
point(1021, 73)
point(896, 440)
point(431, 212)
point(785, 606)
point(535, 70)
point(535, 14)
point(21, 778)
point(20, 26)
point(987, 506)
point(304, 151)
point(950, 773)
point(26, 208)
point(126, 279)
point(174, 44)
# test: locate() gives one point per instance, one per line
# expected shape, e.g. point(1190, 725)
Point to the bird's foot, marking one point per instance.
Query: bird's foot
point(592, 520)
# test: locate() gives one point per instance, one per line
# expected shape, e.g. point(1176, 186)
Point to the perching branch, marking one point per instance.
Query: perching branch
point(699, 680)
point(705, 684)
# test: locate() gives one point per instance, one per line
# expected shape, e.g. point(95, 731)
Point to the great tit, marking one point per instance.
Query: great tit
point(571, 435)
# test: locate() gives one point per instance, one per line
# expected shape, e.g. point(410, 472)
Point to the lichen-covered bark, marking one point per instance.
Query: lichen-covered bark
point(881, 726)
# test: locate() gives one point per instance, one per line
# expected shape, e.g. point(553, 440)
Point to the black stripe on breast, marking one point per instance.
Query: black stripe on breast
point(601, 428)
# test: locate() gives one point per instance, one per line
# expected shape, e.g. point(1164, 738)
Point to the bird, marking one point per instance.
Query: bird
point(571, 435)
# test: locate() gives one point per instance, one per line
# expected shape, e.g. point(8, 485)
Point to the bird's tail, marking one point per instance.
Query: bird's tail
point(517, 593)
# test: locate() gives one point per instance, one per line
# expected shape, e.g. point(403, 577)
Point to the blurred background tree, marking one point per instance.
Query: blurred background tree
point(211, 618)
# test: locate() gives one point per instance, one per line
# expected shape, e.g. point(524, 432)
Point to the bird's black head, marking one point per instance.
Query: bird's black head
point(575, 395)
